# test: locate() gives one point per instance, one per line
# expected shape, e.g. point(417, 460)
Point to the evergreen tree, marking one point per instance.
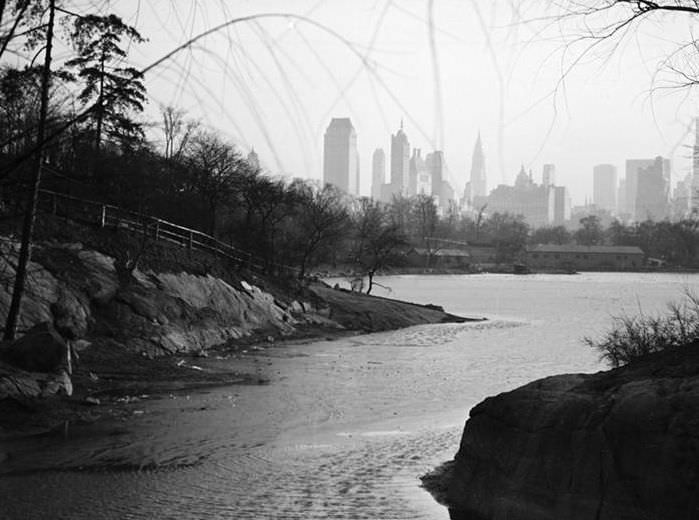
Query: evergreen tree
point(116, 90)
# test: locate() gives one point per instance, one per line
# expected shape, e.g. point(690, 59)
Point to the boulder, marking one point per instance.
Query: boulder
point(20, 384)
point(41, 349)
point(70, 315)
point(617, 445)
point(15, 383)
point(57, 384)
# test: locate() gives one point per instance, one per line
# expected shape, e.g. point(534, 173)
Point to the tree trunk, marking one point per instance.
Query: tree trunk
point(30, 214)
point(100, 113)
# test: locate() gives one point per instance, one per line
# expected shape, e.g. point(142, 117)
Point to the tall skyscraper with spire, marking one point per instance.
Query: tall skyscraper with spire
point(400, 161)
point(340, 156)
point(478, 179)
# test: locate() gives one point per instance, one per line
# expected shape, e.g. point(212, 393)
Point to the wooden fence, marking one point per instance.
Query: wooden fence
point(105, 216)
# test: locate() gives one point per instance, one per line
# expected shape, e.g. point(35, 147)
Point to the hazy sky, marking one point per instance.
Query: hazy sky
point(275, 83)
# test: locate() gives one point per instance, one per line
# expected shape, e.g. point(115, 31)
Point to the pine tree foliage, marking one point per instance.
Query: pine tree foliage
point(114, 88)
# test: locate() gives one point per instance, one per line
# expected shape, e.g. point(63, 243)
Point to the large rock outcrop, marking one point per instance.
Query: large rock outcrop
point(80, 292)
point(616, 445)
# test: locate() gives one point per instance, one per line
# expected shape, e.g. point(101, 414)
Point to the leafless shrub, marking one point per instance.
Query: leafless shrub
point(635, 336)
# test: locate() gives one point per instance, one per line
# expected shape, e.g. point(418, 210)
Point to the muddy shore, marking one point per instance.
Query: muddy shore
point(108, 379)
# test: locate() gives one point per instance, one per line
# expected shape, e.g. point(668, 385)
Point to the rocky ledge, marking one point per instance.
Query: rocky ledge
point(616, 445)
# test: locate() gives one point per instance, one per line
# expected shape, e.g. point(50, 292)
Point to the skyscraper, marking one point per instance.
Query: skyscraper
point(682, 198)
point(400, 158)
point(478, 179)
point(604, 186)
point(652, 190)
point(621, 200)
point(632, 168)
point(561, 205)
point(548, 177)
point(435, 167)
point(340, 157)
point(417, 171)
point(378, 173)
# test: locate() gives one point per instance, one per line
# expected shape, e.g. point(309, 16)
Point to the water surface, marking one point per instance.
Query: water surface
point(345, 427)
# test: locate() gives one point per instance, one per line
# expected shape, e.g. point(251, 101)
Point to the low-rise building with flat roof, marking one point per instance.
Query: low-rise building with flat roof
point(585, 258)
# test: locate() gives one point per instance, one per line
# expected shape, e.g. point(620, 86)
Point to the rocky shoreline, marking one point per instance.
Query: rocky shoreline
point(615, 445)
point(104, 336)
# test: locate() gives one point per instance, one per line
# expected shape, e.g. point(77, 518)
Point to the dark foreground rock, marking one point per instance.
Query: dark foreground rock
point(616, 445)
point(41, 349)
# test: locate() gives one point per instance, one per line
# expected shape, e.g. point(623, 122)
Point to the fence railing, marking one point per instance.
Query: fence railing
point(106, 215)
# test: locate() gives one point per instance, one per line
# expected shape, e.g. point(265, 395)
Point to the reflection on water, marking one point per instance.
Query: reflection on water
point(345, 428)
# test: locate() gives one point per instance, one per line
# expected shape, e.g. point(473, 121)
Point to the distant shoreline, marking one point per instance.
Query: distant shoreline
point(505, 269)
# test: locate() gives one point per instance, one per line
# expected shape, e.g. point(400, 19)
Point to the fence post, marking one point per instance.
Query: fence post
point(103, 218)
point(191, 240)
point(157, 229)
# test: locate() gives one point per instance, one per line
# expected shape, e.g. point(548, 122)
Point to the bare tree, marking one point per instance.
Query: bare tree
point(376, 239)
point(320, 222)
point(216, 170)
point(176, 130)
point(479, 221)
point(589, 26)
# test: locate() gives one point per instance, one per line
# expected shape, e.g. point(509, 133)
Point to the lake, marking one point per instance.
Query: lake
point(345, 427)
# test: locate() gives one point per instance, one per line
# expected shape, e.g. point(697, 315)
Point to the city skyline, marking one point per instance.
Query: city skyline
point(515, 97)
point(644, 191)
point(478, 161)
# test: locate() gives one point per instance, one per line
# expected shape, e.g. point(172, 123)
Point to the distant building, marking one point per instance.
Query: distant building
point(534, 202)
point(478, 181)
point(400, 159)
point(378, 173)
point(573, 257)
point(435, 167)
point(340, 156)
point(561, 205)
point(694, 189)
point(548, 177)
point(253, 160)
point(632, 168)
point(447, 197)
point(604, 186)
point(467, 198)
point(621, 206)
point(438, 258)
point(418, 176)
point(681, 204)
point(652, 191)
point(442, 190)
point(424, 178)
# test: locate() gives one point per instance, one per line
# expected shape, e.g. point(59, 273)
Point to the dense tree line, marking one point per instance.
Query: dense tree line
point(193, 176)
point(676, 243)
